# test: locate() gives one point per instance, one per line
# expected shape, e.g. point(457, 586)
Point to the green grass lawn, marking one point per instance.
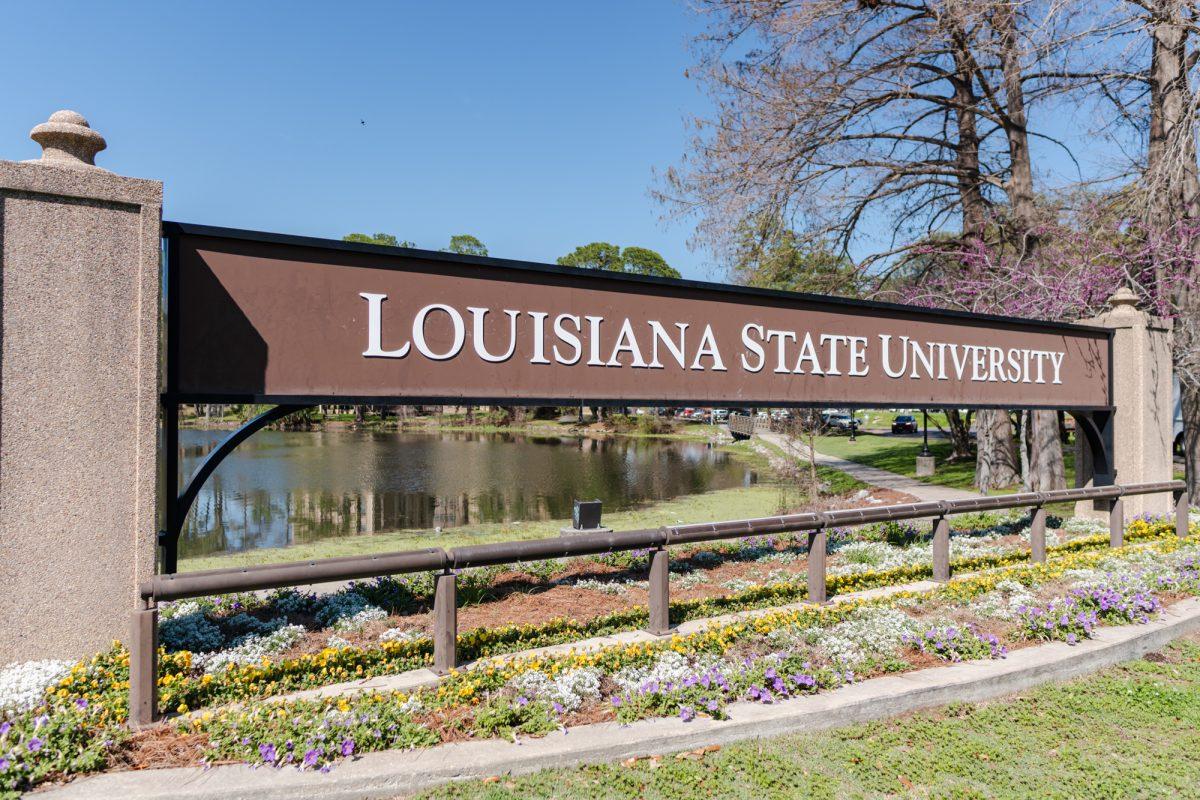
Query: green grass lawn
point(899, 454)
point(753, 501)
point(882, 418)
point(1129, 731)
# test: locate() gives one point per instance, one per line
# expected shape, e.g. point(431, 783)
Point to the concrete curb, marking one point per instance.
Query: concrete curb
point(391, 773)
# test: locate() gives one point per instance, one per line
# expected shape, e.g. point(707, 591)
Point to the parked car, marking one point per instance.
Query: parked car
point(720, 414)
point(904, 423)
point(841, 421)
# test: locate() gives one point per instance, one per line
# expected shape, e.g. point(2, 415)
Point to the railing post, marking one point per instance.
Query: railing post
point(1181, 513)
point(817, 591)
point(1037, 536)
point(660, 592)
point(445, 623)
point(1116, 523)
point(941, 549)
point(143, 666)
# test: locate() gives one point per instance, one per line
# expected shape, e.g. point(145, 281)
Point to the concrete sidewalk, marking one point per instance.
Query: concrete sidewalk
point(872, 475)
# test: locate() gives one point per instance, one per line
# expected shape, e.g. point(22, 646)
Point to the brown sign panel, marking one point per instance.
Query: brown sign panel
point(277, 319)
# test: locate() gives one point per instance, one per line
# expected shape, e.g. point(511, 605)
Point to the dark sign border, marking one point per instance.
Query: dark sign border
point(172, 230)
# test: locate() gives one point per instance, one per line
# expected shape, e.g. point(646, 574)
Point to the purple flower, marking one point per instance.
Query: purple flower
point(3, 764)
point(40, 721)
point(311, 757)
point(81, 704)
point(616, 701)
point(5, 727)
point(34, 744)
point(712, 705)
point(522, 701)
point(348, 747)
point(267, 751)
point(558, 709)
point(686, 713)
point(1072, 638)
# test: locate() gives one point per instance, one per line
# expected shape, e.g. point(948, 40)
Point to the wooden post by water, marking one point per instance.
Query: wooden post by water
point(941, 549)
point(817, 591)
point(1116, 523)
point(143, 666)
point(445, 623)
point(1037, 536)
point(660, 592)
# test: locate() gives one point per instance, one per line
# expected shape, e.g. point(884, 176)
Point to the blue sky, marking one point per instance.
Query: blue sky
point(533, 125)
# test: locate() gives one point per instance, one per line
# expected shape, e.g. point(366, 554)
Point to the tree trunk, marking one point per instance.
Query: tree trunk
point(996, 465)
point(1046, 469)
point(1189, 396)
point(1045, 456)
point(960, 435)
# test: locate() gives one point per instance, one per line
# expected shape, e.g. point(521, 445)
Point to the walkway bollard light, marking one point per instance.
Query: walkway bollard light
point(1037, 535)
point(143, 665)
point(1116, 523)
point(660, 592)
point(817, 590)
point(445, 623)
point(1181, 513)
point(941, 549)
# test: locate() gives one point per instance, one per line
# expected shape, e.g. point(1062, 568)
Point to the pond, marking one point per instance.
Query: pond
point(292, 487)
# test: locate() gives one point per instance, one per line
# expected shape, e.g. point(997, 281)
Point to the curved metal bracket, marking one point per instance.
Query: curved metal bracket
point(1096, 427)
point(178, 511)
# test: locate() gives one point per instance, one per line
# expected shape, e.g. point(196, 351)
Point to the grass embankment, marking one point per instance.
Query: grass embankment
point(1128, 731)
point(763, 499)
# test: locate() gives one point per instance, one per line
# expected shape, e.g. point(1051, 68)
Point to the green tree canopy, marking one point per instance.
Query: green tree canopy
point(597, 255)
point(467, 245)
point(643, 261)
point(610, 257)
point(385, 239)
point(769, 255)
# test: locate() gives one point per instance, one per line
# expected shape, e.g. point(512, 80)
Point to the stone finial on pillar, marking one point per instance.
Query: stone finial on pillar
point(1124, 301)
point(68, 141)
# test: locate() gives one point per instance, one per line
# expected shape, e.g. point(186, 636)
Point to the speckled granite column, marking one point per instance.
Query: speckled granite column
point(79, 263)
point(1144, 421)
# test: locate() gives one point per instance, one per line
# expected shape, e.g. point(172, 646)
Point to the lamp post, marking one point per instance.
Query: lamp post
point(925, 432)
point(853, 426)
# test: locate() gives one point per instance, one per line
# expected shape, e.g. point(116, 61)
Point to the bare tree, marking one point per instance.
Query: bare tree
point(1141, 62)
point(845, 112)
point(841, 112)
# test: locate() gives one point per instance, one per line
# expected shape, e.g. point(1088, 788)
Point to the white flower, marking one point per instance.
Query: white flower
point(23, 684)
point(251, 649)
point(398, 635)
point(569, 690)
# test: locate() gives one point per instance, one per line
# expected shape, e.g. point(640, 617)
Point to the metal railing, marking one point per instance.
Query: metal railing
point(143, 667)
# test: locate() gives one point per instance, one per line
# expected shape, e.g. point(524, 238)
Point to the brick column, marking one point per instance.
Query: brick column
point(1143, 424)
point(79, 363)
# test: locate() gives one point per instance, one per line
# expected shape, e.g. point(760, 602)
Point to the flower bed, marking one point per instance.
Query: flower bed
point(770, 657)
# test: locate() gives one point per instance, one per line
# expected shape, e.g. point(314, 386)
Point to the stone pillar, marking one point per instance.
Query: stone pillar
point(79, 364)
point(1143, 423)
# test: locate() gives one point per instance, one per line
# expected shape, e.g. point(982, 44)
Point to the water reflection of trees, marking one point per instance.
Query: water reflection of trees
point(309, 486)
